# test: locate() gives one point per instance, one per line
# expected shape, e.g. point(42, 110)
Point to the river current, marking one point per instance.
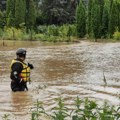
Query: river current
point(85, 69)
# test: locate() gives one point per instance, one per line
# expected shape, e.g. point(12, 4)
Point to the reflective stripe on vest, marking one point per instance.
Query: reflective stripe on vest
point(25, 73)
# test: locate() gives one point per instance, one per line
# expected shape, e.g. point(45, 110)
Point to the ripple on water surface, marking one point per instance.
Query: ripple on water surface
point(86, 70)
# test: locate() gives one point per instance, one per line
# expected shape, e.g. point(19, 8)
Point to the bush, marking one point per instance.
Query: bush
point(53, 30)
point(42, 29)
point(13, 33)
point(116, 35)
point(51, 33)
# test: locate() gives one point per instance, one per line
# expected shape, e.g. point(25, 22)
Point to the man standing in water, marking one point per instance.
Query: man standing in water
point(20, 71)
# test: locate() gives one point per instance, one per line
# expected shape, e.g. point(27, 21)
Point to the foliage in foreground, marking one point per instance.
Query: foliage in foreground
point(84, 110)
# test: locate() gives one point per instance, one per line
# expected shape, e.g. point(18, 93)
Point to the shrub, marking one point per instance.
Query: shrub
point(53, 30)
point(116, 35)
point(42, 29)
point(51, 33)
point(13, 33)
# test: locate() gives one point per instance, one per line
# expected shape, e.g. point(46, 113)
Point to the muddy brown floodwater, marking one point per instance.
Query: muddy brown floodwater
point(68, 70)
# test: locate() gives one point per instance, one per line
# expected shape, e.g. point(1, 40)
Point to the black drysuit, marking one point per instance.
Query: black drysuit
point(16, 83)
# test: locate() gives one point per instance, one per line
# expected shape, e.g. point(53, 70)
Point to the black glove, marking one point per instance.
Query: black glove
point(30, 65)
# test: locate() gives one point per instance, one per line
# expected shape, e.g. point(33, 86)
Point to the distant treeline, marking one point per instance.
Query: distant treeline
point(38, 12)
point(100, 19)
point(91, 18)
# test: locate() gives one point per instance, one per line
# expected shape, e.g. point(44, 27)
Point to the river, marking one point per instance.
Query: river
point(85, 69)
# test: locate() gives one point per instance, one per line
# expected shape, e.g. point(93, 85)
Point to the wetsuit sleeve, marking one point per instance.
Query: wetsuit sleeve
point(16, 70)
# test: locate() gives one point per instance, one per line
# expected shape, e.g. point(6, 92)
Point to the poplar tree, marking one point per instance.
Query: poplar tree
point(30, 14)
point(101, 3)
point(96, 20)
point(89, 25)
point(10, 20)
point(114, 17)
point(81, 20)
point(1, 15)
point(118, 15)
point(105, 20)
point(10, 12)
point(101, 6)
point(20, 10)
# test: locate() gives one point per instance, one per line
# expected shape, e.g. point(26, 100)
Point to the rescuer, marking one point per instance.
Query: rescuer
point(20, 71)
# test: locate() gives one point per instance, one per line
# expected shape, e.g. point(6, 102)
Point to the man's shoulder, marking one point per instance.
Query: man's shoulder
point(16, 62)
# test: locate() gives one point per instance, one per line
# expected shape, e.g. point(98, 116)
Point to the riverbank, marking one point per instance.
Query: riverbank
point(35, 42)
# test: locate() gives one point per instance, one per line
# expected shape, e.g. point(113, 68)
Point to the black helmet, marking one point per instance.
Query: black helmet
point(21, 52)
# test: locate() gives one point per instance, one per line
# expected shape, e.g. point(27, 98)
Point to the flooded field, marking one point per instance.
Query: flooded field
point(84, 69)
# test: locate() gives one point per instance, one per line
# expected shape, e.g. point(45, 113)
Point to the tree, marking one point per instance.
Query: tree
point(30, 14)
point(20, 11)
point(101, 6)
point(105, 20)
point(2, 19)
point(118, 15)
point(89, 18)
point(96, 20)
point(10, 12)
point(10, 20)
point(81, 20)
point(114, 17)
point(58, 11)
